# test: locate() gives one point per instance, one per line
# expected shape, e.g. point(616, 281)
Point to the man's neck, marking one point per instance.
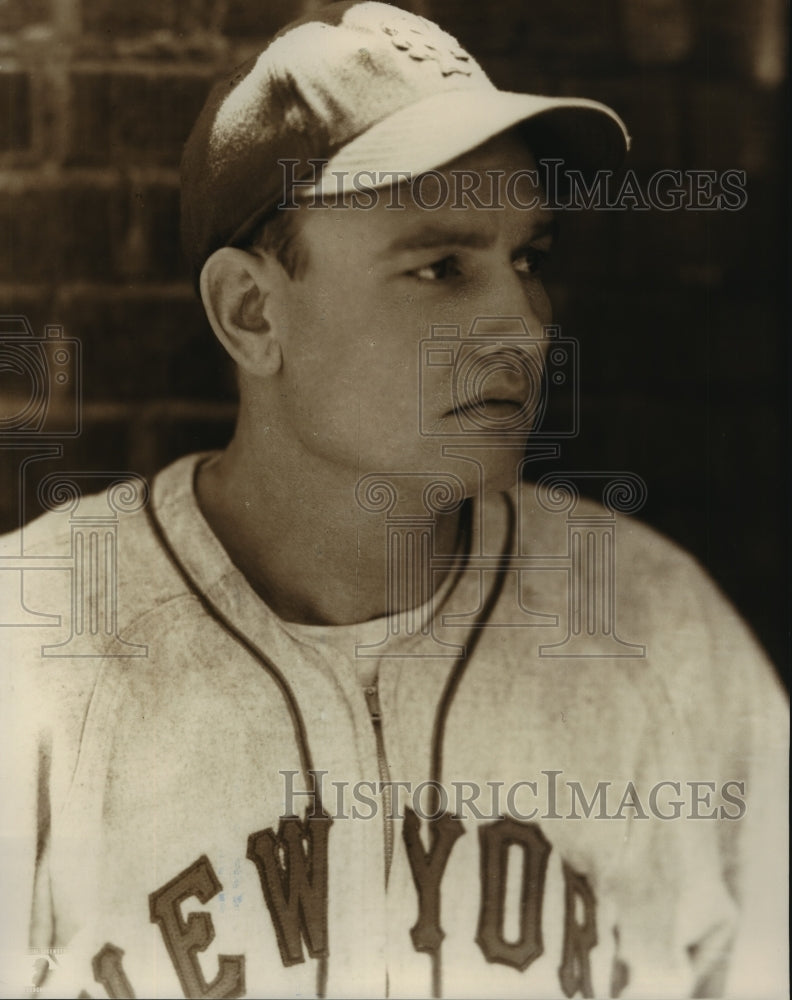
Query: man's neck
point(305, 543)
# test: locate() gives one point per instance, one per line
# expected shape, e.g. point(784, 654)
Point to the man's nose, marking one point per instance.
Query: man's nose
point(506, 313)
point(504, 327)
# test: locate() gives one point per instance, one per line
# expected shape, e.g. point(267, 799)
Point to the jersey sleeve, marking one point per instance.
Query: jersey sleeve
point(747, 721)
point(730, 725)
point(43, 700)
point(23, 807)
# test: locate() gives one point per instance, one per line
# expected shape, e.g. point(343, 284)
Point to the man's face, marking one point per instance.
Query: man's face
point(356, 389)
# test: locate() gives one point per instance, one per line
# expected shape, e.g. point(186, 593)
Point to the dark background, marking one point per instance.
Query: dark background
point(680, 315)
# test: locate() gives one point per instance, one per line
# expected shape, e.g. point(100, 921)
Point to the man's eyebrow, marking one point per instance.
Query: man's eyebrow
point(549, 227)
point(434, 235)
point(437, 235)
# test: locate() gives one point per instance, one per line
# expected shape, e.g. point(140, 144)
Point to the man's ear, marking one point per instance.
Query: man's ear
point(236, 290)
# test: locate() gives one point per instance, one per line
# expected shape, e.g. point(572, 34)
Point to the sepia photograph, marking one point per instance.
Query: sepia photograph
point(394, 499)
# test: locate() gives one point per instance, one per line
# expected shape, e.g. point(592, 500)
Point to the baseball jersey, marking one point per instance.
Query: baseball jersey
point(551, 783)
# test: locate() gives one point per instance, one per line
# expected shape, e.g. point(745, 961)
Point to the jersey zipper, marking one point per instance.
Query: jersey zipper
point(375, 711)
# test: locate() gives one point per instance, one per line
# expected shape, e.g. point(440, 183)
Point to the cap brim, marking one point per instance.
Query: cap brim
point(426, 135)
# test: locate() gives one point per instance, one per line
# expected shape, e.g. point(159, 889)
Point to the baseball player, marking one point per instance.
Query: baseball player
point(348, 709)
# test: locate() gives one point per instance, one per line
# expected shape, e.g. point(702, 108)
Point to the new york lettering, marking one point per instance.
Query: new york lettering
point(495, 840)
point(427, 871)
point(184, 938)
point(295, 891)
point(292, 866)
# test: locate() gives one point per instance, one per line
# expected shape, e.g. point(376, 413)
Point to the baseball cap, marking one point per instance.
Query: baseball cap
point(360, 87)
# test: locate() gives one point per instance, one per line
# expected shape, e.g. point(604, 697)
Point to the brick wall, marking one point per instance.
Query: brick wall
point(679, 314)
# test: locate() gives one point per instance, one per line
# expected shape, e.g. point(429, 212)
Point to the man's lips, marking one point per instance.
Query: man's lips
point(483, 405)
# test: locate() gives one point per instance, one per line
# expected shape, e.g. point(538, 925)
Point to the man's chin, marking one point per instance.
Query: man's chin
point(486, 469)
point(500, 478)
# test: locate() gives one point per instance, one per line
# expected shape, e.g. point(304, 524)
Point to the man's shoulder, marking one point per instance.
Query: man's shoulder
point(555, 513)
point(93, 566)
point(648, 587)
point(79, 507)
point(651, 593)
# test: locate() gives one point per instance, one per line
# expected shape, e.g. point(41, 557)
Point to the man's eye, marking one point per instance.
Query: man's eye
point(530, 260)
point(448, 267)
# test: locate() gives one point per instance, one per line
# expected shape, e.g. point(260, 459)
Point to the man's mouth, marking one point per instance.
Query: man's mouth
point(494, 406)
